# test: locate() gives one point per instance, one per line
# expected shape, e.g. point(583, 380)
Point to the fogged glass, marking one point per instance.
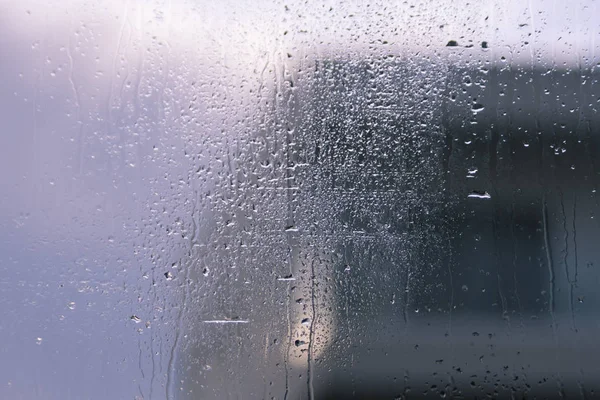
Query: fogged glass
point(252, 200)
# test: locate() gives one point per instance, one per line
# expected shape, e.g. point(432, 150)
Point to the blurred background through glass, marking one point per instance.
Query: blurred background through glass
point(289, 200)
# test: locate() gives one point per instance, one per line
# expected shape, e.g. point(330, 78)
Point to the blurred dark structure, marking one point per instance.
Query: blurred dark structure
point(436, 237)
point(467, 202)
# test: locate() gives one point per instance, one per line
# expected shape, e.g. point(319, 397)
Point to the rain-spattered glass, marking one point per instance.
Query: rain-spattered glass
point(291, 200)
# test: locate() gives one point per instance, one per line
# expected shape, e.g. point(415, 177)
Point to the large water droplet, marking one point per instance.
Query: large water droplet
point(479, 195)
point(477, 108)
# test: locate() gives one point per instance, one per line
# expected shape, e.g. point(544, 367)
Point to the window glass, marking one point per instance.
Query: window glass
point(291, 200)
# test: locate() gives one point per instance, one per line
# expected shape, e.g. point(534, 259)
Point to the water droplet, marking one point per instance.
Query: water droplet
point(38, 341)
point(71, 305)
point(464, 288)
point(169, 275)
point(479, 195)
point(477, 108)
point(452, 43)
point(287, 278)
point(299, 343)
point(135, 319)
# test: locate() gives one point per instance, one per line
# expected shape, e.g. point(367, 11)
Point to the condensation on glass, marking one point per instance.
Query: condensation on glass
point(287, 200)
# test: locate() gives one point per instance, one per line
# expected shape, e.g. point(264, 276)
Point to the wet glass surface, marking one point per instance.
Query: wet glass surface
point(286, 200)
